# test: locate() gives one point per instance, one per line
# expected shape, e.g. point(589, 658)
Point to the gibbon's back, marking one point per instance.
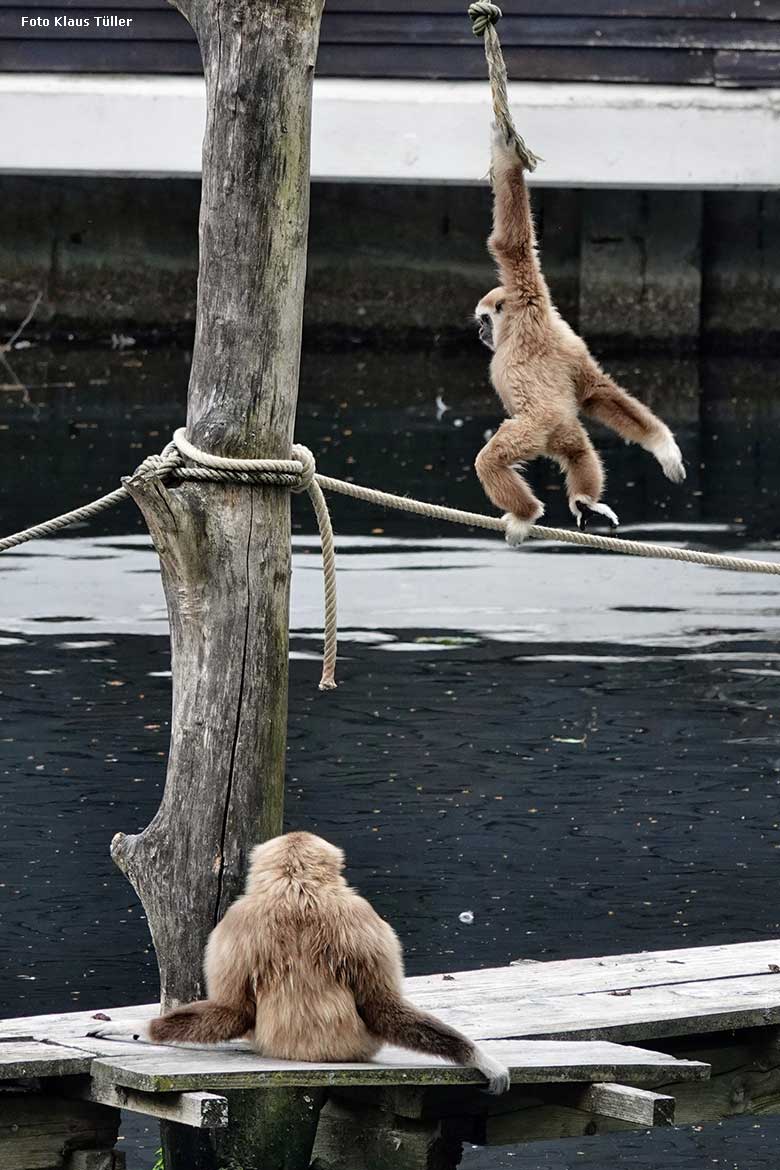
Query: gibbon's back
point(294, 934)
point(304, 968)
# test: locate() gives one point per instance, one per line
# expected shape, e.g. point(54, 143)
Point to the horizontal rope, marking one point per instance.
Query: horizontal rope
point(299, 474)
point(154, 466)
point(632, 548)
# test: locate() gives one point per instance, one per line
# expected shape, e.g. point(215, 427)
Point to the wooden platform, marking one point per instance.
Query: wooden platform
point(562, 1028)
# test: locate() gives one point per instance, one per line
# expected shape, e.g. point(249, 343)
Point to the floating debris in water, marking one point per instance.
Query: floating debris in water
point(466, 917)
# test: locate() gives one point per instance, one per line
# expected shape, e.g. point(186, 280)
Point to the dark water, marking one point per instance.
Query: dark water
point(581, 750)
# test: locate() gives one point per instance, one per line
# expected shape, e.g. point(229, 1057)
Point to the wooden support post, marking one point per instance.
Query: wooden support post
point(268, 1129)
point(45, 1129)
point(745, 1075)
point(95, 1160)
point(225, 550)
point(354, 1135)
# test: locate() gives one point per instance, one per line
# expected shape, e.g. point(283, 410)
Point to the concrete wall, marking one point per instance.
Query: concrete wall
point(403, 263)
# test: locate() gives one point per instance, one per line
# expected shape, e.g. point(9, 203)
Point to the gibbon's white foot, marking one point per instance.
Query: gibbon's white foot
point(124, 1030)
point(669, 456)
point(497, 1074)
point(517, 529)
point(582, 506)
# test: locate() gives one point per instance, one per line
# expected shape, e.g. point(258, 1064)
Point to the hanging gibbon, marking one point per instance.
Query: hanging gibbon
point(305, 969)
point(544, 375)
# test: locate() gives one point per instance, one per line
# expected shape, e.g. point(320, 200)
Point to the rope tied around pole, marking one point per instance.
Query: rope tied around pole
point(484, 17)
point(182, 460)
point(299, 474)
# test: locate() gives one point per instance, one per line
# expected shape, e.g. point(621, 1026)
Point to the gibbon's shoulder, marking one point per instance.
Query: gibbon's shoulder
point(369, 932)
point(360, 907)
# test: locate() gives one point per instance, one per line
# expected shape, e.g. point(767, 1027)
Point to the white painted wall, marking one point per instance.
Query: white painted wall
point(408, 131)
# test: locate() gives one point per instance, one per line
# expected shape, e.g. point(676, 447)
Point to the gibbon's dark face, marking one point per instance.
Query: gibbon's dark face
point(488, 315)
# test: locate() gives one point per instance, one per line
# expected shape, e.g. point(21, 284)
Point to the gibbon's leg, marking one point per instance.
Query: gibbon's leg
point(394, 1020)
point(512, 443)
point(202, 1022)
point(571, 448)
point(603, 399)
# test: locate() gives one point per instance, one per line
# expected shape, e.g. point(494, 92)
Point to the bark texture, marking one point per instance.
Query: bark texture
point(225, 550)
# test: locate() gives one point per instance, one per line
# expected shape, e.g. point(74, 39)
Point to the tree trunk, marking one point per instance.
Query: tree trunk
point(225, 550)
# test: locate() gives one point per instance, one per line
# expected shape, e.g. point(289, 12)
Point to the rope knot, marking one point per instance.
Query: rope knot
point(482, 13)
point(308, 467)
point(157, 466)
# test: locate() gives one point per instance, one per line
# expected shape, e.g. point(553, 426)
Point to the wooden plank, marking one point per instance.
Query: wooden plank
point(645, 1013)
point(19, 1061)
point(404, 29)
point(626, 1103)
point(609, 973)
point(690, 9)
point(747, 69)
point(467, 62)
point(628, 997)
point(558, 1111)
point(458, 62)
point(398, 28)
point(719, 968)
point(194, 1109)
point(530, 1062)
point(99, 56)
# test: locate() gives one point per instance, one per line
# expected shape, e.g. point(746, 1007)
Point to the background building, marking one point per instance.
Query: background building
point(657, 205)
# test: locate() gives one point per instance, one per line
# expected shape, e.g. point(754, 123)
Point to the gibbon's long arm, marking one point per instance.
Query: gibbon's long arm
point(202, 1022)
point(377, 971)
point(397, 1021)
point(512, 243)
point(227, 1014)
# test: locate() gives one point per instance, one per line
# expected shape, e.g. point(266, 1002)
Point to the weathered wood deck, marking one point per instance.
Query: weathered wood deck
point(562, 1027)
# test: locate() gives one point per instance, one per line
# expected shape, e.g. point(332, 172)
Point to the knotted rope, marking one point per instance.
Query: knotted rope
point(299, 474)
point(484, 18)
point(183, 461)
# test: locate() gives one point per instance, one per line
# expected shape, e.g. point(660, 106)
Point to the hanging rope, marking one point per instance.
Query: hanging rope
point(484, 18)
point(299, 474)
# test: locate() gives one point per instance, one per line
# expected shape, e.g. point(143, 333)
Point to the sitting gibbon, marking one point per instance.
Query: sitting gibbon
point(544, 375)
point(305, 969)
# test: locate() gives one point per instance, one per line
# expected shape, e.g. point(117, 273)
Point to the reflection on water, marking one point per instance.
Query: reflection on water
point(579, 749)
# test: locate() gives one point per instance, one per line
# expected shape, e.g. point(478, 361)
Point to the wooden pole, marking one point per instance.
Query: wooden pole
point(225, 550)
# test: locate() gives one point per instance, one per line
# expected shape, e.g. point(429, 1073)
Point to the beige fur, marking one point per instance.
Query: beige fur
point(305, 969)
point(544, 375)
